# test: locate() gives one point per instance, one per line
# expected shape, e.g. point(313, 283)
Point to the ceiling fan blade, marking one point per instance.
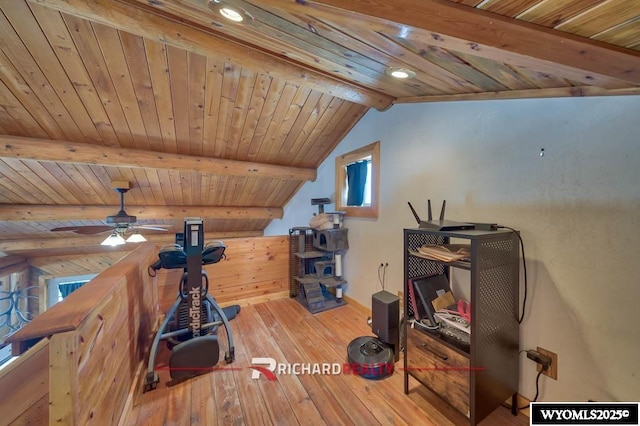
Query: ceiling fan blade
point(153, 227)
point(85, 230)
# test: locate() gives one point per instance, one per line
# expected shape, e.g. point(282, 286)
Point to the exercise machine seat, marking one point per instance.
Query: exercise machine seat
point(199, 354)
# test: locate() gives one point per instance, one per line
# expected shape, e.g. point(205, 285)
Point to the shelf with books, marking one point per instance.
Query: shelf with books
point(462, 264)
point(487, 365)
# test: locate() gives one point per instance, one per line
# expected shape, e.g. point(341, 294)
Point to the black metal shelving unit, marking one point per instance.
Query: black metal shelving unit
point(478, 378)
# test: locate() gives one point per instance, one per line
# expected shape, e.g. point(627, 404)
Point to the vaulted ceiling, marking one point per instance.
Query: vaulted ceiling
point(226, 121)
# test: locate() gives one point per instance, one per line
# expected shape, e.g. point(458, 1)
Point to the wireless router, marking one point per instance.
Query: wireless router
point(441, 224)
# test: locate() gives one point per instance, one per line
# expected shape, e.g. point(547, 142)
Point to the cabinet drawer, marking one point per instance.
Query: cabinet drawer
point(440, 368)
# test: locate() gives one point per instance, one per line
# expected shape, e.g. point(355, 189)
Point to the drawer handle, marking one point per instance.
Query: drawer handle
point(435, 352)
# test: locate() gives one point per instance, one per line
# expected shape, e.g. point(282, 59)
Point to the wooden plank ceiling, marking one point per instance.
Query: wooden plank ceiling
point(226, 121)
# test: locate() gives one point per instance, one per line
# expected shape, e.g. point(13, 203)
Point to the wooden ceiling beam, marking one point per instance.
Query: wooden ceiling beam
point(6, 261)
point(555, 92)
point(46, 244)
point(12, 269)
point(52, 213)
point(152, 26)
point(480, 33)
point(24, 148)
point(12, 263)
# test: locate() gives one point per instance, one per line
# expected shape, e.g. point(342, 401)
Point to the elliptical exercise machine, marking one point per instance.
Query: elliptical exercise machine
point(190, 326)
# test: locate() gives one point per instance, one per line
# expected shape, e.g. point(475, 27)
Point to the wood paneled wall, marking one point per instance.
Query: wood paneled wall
point(255, 270)
point(24, 388)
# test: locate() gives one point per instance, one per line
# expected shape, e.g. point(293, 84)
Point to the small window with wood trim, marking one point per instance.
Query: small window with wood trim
point(357, 180)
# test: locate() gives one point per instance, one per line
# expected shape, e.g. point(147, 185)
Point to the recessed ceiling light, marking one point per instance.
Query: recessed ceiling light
point(231, 14)
point(234, 14)
point(401, 73)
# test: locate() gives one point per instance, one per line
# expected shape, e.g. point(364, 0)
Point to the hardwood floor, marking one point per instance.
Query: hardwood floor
point(287, 332)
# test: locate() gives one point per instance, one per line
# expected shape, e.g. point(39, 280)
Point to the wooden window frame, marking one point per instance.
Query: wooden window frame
point(373, 151)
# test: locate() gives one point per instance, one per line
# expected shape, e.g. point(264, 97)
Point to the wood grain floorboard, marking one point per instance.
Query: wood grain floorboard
point(287, 332)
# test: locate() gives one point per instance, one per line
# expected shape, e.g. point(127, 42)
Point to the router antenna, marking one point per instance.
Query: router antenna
point(414, 213)
point(444, 204)
point(430, 216)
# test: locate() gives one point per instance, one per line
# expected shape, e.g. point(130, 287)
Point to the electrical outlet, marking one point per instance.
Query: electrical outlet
point(553, 370)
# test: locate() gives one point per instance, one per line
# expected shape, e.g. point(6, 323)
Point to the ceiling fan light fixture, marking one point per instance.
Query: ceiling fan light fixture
point(400, 73)
point(136, 238)
point(234, 14)
point(113, 240)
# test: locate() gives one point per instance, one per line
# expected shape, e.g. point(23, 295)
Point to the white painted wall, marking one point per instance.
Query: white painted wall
point(578, 210)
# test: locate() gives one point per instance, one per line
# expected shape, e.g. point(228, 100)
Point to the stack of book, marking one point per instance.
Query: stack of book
point(444, 253)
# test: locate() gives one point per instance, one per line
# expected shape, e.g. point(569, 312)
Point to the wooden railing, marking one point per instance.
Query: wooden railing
point(94, 341)
point(91, 345)
point(24, 388)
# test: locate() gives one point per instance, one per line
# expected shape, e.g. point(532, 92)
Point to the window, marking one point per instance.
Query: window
point(357, 180)
point(60, 287)
point(66, 289)
point(6, 357)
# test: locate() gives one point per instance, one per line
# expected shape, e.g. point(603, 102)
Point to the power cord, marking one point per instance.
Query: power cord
point(535, 398)
point(524, 268)
point(421, 324)
point(151, 271)
point(544, 362)
point(382, 274)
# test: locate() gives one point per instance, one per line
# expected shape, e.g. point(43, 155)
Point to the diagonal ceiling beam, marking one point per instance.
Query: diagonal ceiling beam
point(49, 213)
point(12, 263)
point(159, 28)
point(497, 37)
point(68, 152)
point(12, 269)
point(11, 260)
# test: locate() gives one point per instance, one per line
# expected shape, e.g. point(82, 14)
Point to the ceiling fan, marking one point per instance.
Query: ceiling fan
point(118, 224)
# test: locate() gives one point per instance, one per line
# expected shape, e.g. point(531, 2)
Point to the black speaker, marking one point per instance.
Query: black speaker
point(385, 313)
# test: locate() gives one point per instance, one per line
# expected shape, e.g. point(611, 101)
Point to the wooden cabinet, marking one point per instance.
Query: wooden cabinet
point(441, 368)
point(474, 379)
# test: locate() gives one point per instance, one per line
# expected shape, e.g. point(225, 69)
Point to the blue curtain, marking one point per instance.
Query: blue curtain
point(356, 179)
point(68, 288)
